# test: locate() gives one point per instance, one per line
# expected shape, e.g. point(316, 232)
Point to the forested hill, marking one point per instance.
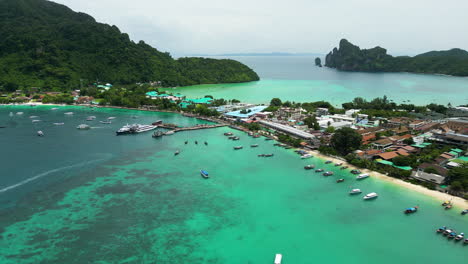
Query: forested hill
point(349, 57)
point(45, 44)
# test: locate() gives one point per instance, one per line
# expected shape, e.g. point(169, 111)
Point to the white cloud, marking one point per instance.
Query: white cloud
point(220, 26)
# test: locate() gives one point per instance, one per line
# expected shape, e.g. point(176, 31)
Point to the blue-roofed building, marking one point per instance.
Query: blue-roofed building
point(152, 95)
point(250, 112)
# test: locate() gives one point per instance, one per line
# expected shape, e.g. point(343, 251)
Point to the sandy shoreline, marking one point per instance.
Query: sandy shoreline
point(458, 202)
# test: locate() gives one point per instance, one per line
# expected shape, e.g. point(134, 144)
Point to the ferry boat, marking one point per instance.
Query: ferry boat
point(135, 128)
point(355, 171)
point(40, 133)
point(460, 237)
point(307, 156)
point(83, 127)
point(328, 173)
point(278, 258)
point(309, 167)
point(204, 174)
point(355, 191)
point(237, 147)
point(340, 180)
point(411, 210)
point(371, 195)
point(318, 170)
point(362, 176)
point(254, 145)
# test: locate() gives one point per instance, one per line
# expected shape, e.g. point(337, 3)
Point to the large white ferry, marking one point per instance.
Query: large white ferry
point(135, 128)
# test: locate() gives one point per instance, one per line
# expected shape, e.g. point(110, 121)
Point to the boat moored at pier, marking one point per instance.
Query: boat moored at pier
point(134, 129)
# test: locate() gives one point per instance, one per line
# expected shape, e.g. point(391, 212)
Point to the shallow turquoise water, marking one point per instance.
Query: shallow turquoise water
point(135, 202)
point(297, 79)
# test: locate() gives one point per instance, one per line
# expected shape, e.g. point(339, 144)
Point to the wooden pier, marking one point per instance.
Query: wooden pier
point(197, 127)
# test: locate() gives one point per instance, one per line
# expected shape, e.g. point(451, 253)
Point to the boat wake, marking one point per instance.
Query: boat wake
point(14, 186)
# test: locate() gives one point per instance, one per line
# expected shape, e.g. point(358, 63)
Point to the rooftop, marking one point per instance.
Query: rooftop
point(253, 111)
point(288, 129)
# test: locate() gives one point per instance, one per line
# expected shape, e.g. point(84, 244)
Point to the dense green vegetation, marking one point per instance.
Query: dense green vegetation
point(349, 57)
point(44, 44)
point(345, 140)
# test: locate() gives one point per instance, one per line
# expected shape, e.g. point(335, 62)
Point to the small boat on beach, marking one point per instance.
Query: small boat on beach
point(307, 156)
point(340, 180)
point(204, 174)
point(411, 210)
point(33, 117)
point(19, 113)
point(338, 164)
point(318, 170)
point(40, 133)
point(446, 203)
point(355, 171)
point(355, 191)
point(238, 147)
point(441, 229)
point(328, 173)
point(344, 168)
point(309, 167)
point(370, 196)
point(254, 145)
point(176, 153)
point(362, 176)
point(460, 237)
point(328, 162)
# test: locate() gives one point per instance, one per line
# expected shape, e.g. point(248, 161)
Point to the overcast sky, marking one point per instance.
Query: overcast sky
point(312, 26)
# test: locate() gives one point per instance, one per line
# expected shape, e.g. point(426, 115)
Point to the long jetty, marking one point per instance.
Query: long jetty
point(197, 127)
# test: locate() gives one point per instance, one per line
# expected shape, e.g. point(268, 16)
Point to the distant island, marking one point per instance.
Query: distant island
point(45, 44)
point(349, 57)
point(273, 54)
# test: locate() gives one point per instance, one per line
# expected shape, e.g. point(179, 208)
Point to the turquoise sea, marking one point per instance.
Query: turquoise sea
point(77, 196)
point(296, 78)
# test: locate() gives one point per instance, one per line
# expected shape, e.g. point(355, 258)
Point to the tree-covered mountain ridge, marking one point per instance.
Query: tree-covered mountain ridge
point(45, 44)
point(349, 57)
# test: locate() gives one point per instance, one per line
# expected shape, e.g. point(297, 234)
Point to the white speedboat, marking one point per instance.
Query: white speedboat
point(362, 176)
point(19, 113)
point(278, 258)
point(306, 156)
point(111, 118)
point(40, 133)
point(54, 108)
point(68, 113)
point(355, 191)
point(83, 127)
point(36, 120)
point(371, 195)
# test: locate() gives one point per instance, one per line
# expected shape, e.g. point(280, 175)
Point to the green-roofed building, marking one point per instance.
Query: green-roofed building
point(455, 154)
point(457, 150)
point(152, 94)
point(163, 95)
point(389, 163)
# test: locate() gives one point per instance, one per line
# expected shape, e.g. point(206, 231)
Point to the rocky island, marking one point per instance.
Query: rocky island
point(349, 57)
point(45, 44)
point(318, 62)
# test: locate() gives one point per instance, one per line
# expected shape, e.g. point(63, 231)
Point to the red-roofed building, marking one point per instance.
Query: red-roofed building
point(388, 155)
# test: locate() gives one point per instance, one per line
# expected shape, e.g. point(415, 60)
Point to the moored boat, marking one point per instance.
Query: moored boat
point(186, 142)
point(464, 212)
point(447, 231)
point(238, 147)
point(170, 132)
point(441, 229)
point(269, 155)
point(318, 170)
point(176, 153)
point(309, 167)
point(452, 235)
point(340, 180)
point(105, 122)
point(371, 195)
point(466, 241)
point(307, 156)
point(83, 127)
point(362, 176)
point(338, 164)
point(236, 138)
point(158, 133)
point(261, 155)
point(254, 145)
point(328, 173)
point(344, 168)
point(411, 210)
point(228, 134)
point(446, 203)
point(111, 118)
point(206, 143)
point(59, 124)
point(40, 133)
point(328, 162)
point(355, 171)
point(355, 191)
point(460, 237)
point(36, 120)
point(268, 139)
point(204, 174)
point(449, 206)
point(278, 258)
point(68, 113)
